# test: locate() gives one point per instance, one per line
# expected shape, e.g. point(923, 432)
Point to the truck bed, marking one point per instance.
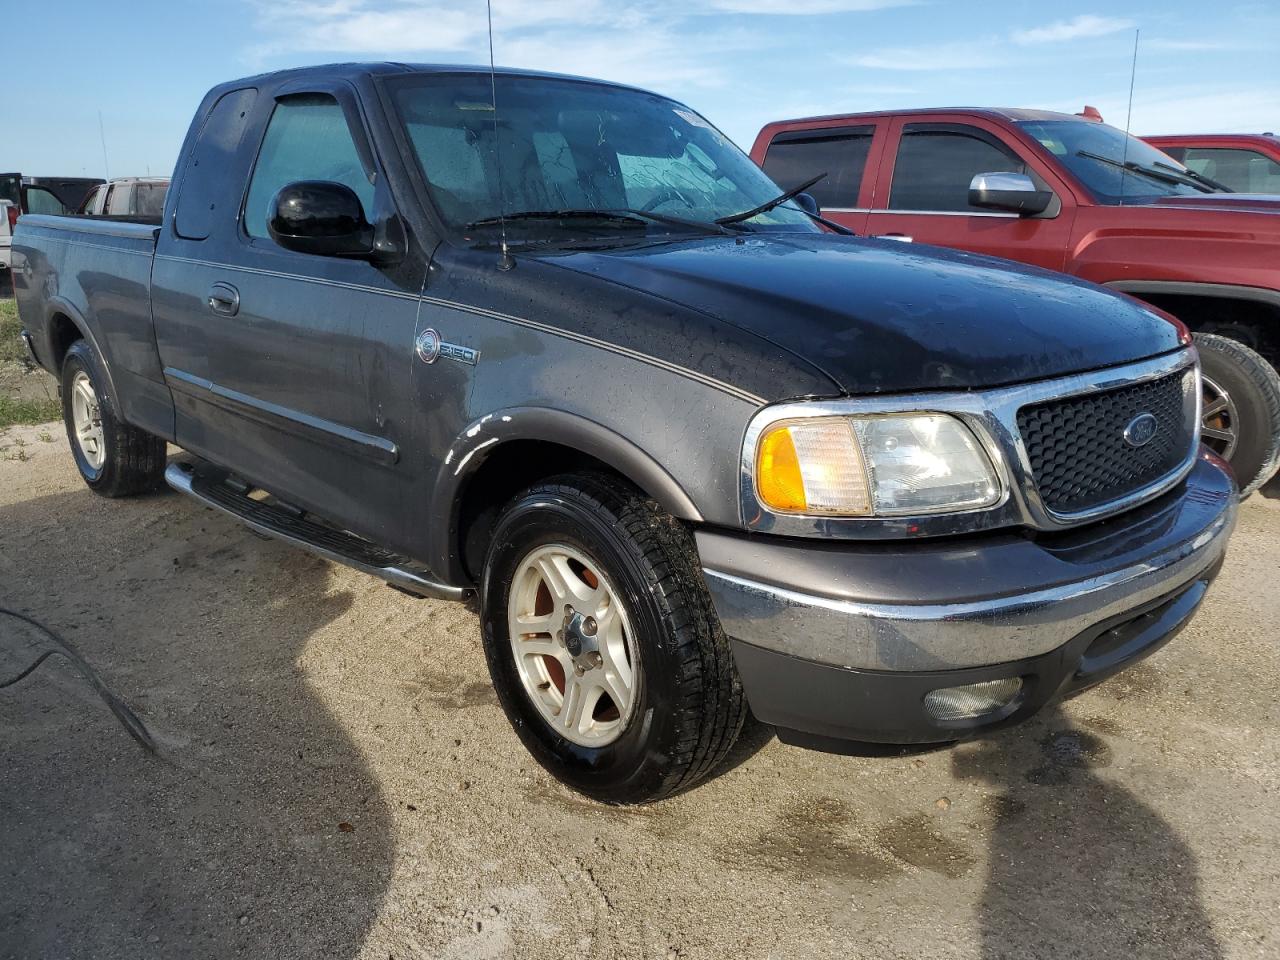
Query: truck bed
point(94, 274)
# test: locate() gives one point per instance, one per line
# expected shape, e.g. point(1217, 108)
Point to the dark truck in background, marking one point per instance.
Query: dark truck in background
point(48, 195)
point(690, 448)
point(1070, 193)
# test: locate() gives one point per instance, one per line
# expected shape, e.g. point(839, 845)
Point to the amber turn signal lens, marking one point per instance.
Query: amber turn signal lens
point(778, 478)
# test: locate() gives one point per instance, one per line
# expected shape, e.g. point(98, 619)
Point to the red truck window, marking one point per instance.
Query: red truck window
point(840, 152)
point(937, 161)
point(1244, 171)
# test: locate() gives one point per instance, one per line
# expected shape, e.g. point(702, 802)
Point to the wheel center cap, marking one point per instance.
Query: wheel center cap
point(580, 634)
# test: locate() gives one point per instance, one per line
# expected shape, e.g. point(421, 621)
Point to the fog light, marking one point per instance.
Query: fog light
point(971, 700)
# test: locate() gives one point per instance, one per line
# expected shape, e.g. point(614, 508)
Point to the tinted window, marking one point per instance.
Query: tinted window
point(40, 200)
point(307, 139)
point(935, 165)
point(206, 191)
point(841, 154)
point(149, 199)
point(1244, 171)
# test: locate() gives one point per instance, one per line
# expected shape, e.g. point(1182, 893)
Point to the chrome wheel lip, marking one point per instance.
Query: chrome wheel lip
point(586, 680)
point(1218, 403)
point(86, 420)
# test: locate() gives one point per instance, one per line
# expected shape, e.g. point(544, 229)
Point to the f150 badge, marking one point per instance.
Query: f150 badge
point(429, 346)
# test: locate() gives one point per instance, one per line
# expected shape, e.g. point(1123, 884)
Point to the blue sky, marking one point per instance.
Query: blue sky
point(146, 63)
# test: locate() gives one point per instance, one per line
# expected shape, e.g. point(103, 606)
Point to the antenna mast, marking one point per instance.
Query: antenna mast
point(504, 262)
point(106, 169)
point(1128, 119)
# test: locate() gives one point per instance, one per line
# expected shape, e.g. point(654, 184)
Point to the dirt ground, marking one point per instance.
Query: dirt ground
point(335, 780)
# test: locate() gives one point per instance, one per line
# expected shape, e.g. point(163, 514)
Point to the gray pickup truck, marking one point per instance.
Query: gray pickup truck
point(558, 344)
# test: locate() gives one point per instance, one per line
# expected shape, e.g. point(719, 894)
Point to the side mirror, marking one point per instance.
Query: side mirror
point(808, 204)
point(320, 217)
point(1015, 192)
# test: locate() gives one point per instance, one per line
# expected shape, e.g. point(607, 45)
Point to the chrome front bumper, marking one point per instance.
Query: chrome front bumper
point(840, 642)
point(922, 606)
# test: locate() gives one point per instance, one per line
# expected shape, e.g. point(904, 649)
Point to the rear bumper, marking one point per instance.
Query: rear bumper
point(844, 642)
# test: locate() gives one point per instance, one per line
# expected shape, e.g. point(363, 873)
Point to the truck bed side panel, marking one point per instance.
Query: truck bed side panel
point(97, 275)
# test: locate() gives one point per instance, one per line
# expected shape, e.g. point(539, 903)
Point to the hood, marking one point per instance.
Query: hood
point(880, 316)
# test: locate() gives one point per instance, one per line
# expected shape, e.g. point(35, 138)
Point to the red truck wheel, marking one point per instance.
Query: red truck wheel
point(1241, 416)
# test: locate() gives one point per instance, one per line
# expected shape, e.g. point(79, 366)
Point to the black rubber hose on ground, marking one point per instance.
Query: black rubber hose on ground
point(61, 647)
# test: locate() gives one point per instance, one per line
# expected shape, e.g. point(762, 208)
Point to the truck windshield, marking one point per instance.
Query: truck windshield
point(1097, 154)
point(576, 146)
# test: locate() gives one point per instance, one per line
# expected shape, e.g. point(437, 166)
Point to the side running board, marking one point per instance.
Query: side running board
point(318, 538)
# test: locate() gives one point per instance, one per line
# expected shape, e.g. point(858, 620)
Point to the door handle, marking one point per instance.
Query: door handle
point(224, 299)
point(900, 237)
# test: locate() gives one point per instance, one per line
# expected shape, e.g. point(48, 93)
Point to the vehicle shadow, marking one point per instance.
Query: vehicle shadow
point(258, 829)
point(1078, 865)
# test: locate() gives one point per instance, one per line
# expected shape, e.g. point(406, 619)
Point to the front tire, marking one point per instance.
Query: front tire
point(1241, 416)
point(592, 597)
point(114, 459)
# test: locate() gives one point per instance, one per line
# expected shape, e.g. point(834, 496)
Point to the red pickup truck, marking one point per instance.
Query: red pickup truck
point(1075, 195)
point(1245, 162)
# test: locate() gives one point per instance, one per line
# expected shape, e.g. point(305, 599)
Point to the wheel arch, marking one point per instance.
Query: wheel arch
point(64, 325)
point(1250, 315)
point(502, 453)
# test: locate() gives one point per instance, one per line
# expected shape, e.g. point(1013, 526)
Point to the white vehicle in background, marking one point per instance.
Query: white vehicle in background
point(8, 219)
point(127, 197)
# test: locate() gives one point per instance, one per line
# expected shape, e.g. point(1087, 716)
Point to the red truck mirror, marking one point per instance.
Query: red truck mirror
point(1014, 192)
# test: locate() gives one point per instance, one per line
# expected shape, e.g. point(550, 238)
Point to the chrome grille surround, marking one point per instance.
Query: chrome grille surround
point(992, 415)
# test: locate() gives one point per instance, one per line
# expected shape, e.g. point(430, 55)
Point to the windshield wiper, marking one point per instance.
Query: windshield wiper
point(769, 204)
point(1198, 177)
point(624, 215)
point(1172, 176)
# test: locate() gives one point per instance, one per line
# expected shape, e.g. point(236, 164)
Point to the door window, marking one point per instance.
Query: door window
point(307, 139)
point(40, 200)
point(936, 162)
point(90, 202)
point(840, 153)
point(1244, 171)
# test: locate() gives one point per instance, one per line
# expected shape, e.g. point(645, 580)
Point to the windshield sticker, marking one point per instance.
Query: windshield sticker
point(688, 116)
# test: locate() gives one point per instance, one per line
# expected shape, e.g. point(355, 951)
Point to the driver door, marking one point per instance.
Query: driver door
point(923, 194)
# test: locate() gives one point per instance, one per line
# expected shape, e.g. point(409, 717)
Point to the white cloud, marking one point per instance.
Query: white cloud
point(943, 56)
point(1085, 25)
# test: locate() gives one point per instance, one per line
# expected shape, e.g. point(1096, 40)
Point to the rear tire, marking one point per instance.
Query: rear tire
point(114, 459)
point(684, 706)
point(1242, 409)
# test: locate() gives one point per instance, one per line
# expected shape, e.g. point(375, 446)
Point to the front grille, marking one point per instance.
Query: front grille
point(1077, 449)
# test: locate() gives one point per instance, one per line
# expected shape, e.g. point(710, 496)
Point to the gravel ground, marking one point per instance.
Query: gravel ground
point(335, 780)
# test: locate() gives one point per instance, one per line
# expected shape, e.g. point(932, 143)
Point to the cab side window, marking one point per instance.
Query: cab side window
point(840, 153)
point(1244, 171)
point(936, 162)
point(40, 200)
point(306, 139)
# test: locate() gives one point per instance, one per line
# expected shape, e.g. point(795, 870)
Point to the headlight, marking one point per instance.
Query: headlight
point(864, 466)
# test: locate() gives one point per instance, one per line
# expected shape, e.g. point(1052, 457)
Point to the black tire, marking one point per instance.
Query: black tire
point(1254, 390)
point(689, 706)
point(133, 460)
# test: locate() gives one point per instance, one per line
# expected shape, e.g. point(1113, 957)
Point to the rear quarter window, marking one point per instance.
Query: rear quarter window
point(203, 193)
point(841, 153)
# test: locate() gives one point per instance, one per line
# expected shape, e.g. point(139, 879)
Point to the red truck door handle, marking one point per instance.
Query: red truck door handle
point(224, 299)
point(900, 237)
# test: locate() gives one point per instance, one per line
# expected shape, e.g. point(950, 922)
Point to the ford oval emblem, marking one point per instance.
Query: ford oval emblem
point(428, 346)
point(1141, 430)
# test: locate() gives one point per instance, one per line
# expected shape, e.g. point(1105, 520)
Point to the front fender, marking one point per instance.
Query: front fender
point(486, 435)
